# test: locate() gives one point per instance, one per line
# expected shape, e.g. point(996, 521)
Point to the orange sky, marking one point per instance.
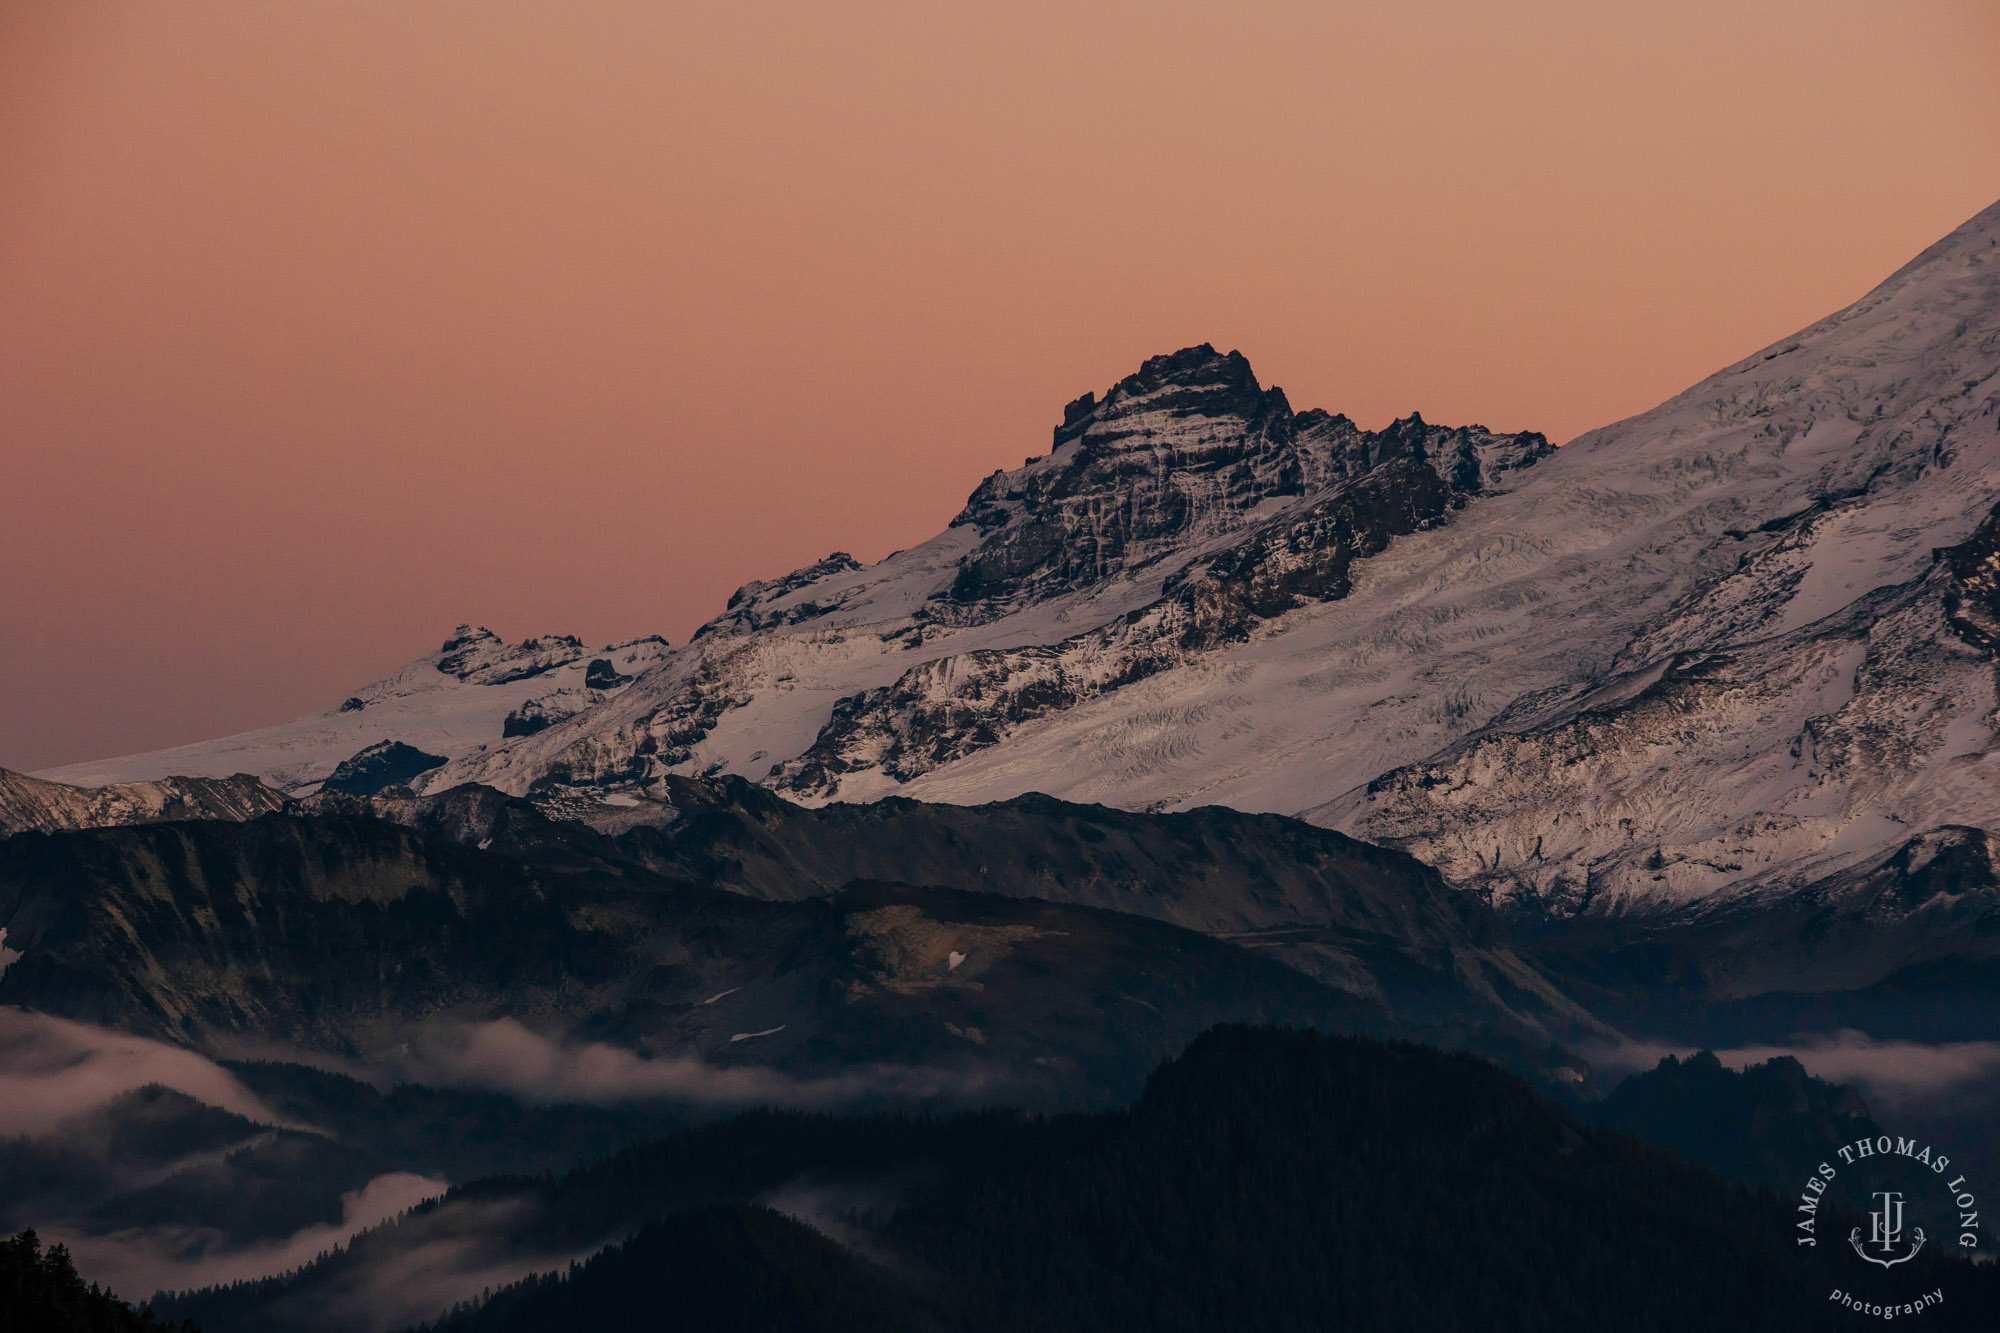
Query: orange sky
point(326, 326)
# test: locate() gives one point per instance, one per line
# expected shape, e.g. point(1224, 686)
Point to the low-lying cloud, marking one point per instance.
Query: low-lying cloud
point(431, 1260)
point(437, 1260)
point(1890, 1074)
point(506, 1056)
point(138, 1262)
point(52, 1069)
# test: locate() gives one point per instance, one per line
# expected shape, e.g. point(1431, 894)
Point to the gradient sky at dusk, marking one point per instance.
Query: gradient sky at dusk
point(326, 326)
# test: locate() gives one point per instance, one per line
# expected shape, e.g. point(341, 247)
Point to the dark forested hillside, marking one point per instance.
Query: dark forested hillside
point(725, 1269)
point(41, 1292)
point(1297, 1181)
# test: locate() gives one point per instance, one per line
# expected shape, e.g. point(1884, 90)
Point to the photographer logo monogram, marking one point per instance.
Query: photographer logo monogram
point(1911, 1199)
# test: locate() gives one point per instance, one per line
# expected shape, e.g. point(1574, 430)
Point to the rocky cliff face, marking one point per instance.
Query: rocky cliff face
point(1187, 450)
point(949, 707)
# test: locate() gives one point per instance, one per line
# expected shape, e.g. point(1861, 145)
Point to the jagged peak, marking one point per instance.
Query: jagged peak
point(1195, 381)
point(465, 636)
point(1200, 364)
point(1189, 446)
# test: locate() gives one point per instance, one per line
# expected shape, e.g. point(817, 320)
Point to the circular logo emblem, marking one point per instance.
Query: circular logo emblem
point(1882, 1202)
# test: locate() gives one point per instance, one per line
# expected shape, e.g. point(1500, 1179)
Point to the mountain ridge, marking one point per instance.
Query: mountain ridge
point(47, 807)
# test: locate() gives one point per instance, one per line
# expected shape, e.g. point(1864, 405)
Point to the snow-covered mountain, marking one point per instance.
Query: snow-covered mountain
point(1762, 642)
point(474, 691)
point(1170, 523)
point(1745, 639)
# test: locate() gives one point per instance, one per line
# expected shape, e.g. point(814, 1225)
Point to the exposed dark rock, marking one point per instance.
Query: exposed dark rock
point(382, 765)
point(670, 733)
point(464, 640)
point(1972, 599)
point(1187, 483)
point(601, 675)
point(480, 656)
point(529, 718)
point(1306, 558)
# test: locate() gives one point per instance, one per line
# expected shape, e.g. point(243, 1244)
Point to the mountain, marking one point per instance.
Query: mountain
point(1734, 646)
point(474, 691)
point(32, 803)
point(1188, 507)
point(1785, 610)
point(1167, 524)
